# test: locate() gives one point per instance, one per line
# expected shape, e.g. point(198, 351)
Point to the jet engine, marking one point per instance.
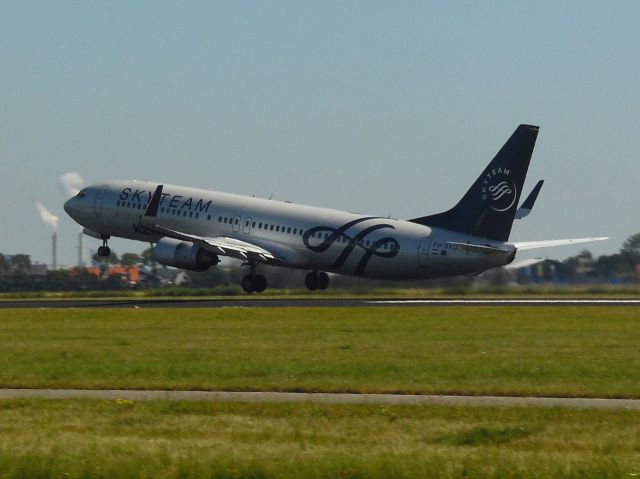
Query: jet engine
point(183, 254)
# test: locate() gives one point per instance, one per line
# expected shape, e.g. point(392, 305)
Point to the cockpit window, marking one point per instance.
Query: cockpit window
point(82, 194)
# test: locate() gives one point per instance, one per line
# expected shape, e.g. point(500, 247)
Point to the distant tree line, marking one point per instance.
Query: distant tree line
point(624, 265)
point(17, 274)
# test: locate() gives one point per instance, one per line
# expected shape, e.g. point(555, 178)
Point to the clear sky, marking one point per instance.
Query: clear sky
point(376, 107)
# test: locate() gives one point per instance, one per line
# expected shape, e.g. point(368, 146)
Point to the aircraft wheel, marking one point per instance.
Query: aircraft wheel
point(323, 280)
point(248, 284)
point(311, 281)
point(104, 251)
point(259, 283)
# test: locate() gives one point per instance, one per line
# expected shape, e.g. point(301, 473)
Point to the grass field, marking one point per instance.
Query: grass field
point(235, 292)
point(122, 439)
point(589, 352)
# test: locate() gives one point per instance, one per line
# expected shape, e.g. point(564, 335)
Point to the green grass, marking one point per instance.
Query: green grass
point(235, 292)
point(588, 352)
point(124, 439)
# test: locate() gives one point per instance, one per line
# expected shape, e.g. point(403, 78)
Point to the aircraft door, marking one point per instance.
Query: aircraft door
point(236, 223)
point(423, 252)
point(246, 226)
point(98, 200)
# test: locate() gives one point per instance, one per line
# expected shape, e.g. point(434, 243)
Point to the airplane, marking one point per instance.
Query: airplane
point(192, 228)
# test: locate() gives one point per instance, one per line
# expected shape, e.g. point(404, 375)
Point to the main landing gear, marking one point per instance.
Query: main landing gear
point(317, 280)
point(104, 250)
point(254, 283)
point(257, 283)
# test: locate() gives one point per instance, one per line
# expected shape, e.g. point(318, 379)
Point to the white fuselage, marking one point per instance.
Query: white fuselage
point(303, 237)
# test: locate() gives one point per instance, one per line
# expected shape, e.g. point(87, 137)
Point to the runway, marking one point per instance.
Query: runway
point(321, 398)
point(256, 302)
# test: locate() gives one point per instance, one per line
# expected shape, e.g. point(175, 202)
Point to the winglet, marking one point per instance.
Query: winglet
point(527, 205)
point(152, 208)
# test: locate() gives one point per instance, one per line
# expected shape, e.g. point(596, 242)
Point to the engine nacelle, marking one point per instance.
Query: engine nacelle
point(183, 254)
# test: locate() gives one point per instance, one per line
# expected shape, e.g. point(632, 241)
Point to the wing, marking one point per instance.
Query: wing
point(220, 245)
point(524, 245)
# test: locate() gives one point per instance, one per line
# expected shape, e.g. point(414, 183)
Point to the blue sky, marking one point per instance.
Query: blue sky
point(377, 107)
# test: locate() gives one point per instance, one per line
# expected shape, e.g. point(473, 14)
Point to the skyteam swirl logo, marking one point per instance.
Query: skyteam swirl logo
point(499, 189)
point(321, 238)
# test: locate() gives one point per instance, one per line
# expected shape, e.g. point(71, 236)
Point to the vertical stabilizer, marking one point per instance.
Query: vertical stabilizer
point(488, 208)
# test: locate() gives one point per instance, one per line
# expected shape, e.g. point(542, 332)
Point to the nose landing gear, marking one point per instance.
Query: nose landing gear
point(317, 280)
point(104, 250)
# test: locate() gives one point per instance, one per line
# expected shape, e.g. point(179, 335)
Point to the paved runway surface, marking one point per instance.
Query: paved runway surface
point(326, 398)
point(292, 302)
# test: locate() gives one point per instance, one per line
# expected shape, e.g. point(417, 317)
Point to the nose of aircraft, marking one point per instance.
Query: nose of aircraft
point(68, 206)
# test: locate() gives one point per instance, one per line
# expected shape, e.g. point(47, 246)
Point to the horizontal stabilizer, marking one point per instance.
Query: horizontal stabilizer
point(524, 245)
point(527, 205)
point(480, 248)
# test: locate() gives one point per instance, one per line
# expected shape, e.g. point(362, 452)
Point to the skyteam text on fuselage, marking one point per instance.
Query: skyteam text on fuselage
point(191, 228)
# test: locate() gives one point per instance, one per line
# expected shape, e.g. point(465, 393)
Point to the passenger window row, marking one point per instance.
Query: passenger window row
point(227, 220)
point(133, 206)
point(163, 210)
point(177, 212)
point(298, 232)
point(261, 226)
point(344, 239)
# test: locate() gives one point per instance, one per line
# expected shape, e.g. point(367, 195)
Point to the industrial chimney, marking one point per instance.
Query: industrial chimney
point(54, 244)
point(81, 249)
point(50, 219)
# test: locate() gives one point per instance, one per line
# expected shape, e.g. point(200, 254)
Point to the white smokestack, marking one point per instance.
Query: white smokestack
point(54, 245)
point(81, 249)
point(47, 217)
point(72, 183)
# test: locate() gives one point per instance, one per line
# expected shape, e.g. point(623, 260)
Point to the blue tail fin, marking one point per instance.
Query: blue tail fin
point(488, 208)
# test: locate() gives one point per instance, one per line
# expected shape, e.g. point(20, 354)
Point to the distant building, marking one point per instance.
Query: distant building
point(38, 269)
point(129, 274)
point(547, 271)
